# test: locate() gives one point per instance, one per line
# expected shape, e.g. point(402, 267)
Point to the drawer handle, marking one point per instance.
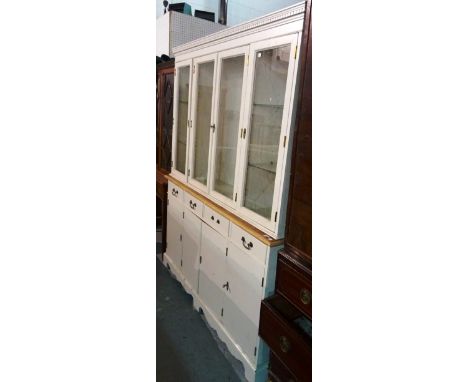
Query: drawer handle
point(217, 221)
point(304, 295)
point(193, 205)
point(212, 218)
point(285, 345)
point(246, 246)
point(226, 285)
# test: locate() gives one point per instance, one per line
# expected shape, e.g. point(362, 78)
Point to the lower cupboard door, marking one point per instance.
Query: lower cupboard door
point(243, 300)
point(212, 270)
point(174, 232)
point(191, 250)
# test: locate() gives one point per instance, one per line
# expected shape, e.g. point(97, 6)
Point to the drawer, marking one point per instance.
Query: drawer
point(286, 341)
point(278, 372)
point(294, 286)
point(216, 221)
point(193, 204)
point(248, 243)
point(175, 192)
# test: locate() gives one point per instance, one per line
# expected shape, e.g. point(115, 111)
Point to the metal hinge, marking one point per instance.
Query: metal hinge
point(276, 215)
point(235, 198)
point(180, 262)
point(245, 130)
point(188, 172)
point(255, 351)
point(189, 123)
point(226, 251)
point(263, 280)
point(213, 126)
point(183, 214)
point(180, 237)
point(222, 312)
point(200, 259)
point(284, 141)
point(295, 53)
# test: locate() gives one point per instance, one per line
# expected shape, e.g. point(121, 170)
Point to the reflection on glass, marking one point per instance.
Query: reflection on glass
point(271, 70)
point(183, 75)
point(203, 121)
point(230, 93)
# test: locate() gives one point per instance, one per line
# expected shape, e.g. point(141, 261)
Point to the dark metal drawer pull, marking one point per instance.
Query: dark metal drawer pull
point(212, 218)
point(246, 246)
point(285, 345)
point(217, 221)
point(226, 285)
point(304, 295)
point(192, 205)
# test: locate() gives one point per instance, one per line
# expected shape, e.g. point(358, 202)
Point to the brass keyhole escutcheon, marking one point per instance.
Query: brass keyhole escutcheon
point(304, 295)
point(285, 345)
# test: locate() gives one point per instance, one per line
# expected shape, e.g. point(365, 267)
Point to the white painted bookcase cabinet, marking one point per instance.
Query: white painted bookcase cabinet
point(233, 108)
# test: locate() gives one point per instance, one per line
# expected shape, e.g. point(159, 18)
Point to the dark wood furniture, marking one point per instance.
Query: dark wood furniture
point(164, 104)
point(285, 318)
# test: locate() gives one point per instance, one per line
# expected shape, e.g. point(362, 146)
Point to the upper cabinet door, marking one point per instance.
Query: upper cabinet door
point(182, 101)
point(231, 80)
point(266, 123)
point(201, 120)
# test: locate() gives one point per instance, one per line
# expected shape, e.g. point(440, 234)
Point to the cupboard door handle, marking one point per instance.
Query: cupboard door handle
point(246, 246)
point(217, 221)
point(226, 285)
point(285, 345)
point(174, 192)
point(212, 218)
point(192, 205)
point(304, 295)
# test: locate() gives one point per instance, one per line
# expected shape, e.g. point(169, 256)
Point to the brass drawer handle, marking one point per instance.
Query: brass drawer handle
point(305, 297)
point(285, 345)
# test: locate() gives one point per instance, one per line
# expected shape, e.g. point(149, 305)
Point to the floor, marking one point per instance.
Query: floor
point(186, 349)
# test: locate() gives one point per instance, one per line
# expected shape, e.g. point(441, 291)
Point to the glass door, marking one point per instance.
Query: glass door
point(202, 121)
point(183, 75)
point(231, 79)
point(267, 122)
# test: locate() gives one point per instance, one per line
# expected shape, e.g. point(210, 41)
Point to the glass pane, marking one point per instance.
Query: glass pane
point(183, 74)
point(167, 94)
point(203, 120)
point(230, 93)
point(271, 71)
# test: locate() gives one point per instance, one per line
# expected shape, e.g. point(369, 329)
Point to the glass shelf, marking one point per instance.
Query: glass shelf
point(230, 100)
point(270, 76)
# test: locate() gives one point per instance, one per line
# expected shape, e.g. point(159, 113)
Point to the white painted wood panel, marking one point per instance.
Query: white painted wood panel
point(193, 204)
point(212, 274)
point(191, 240)
point(216, 221)
point(248, 243)
point(243, 299)
point(174, 232)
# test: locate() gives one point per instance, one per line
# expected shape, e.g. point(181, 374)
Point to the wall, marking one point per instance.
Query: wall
point(238, 10)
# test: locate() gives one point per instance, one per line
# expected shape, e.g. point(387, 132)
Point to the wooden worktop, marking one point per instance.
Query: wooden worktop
point(258, 234)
